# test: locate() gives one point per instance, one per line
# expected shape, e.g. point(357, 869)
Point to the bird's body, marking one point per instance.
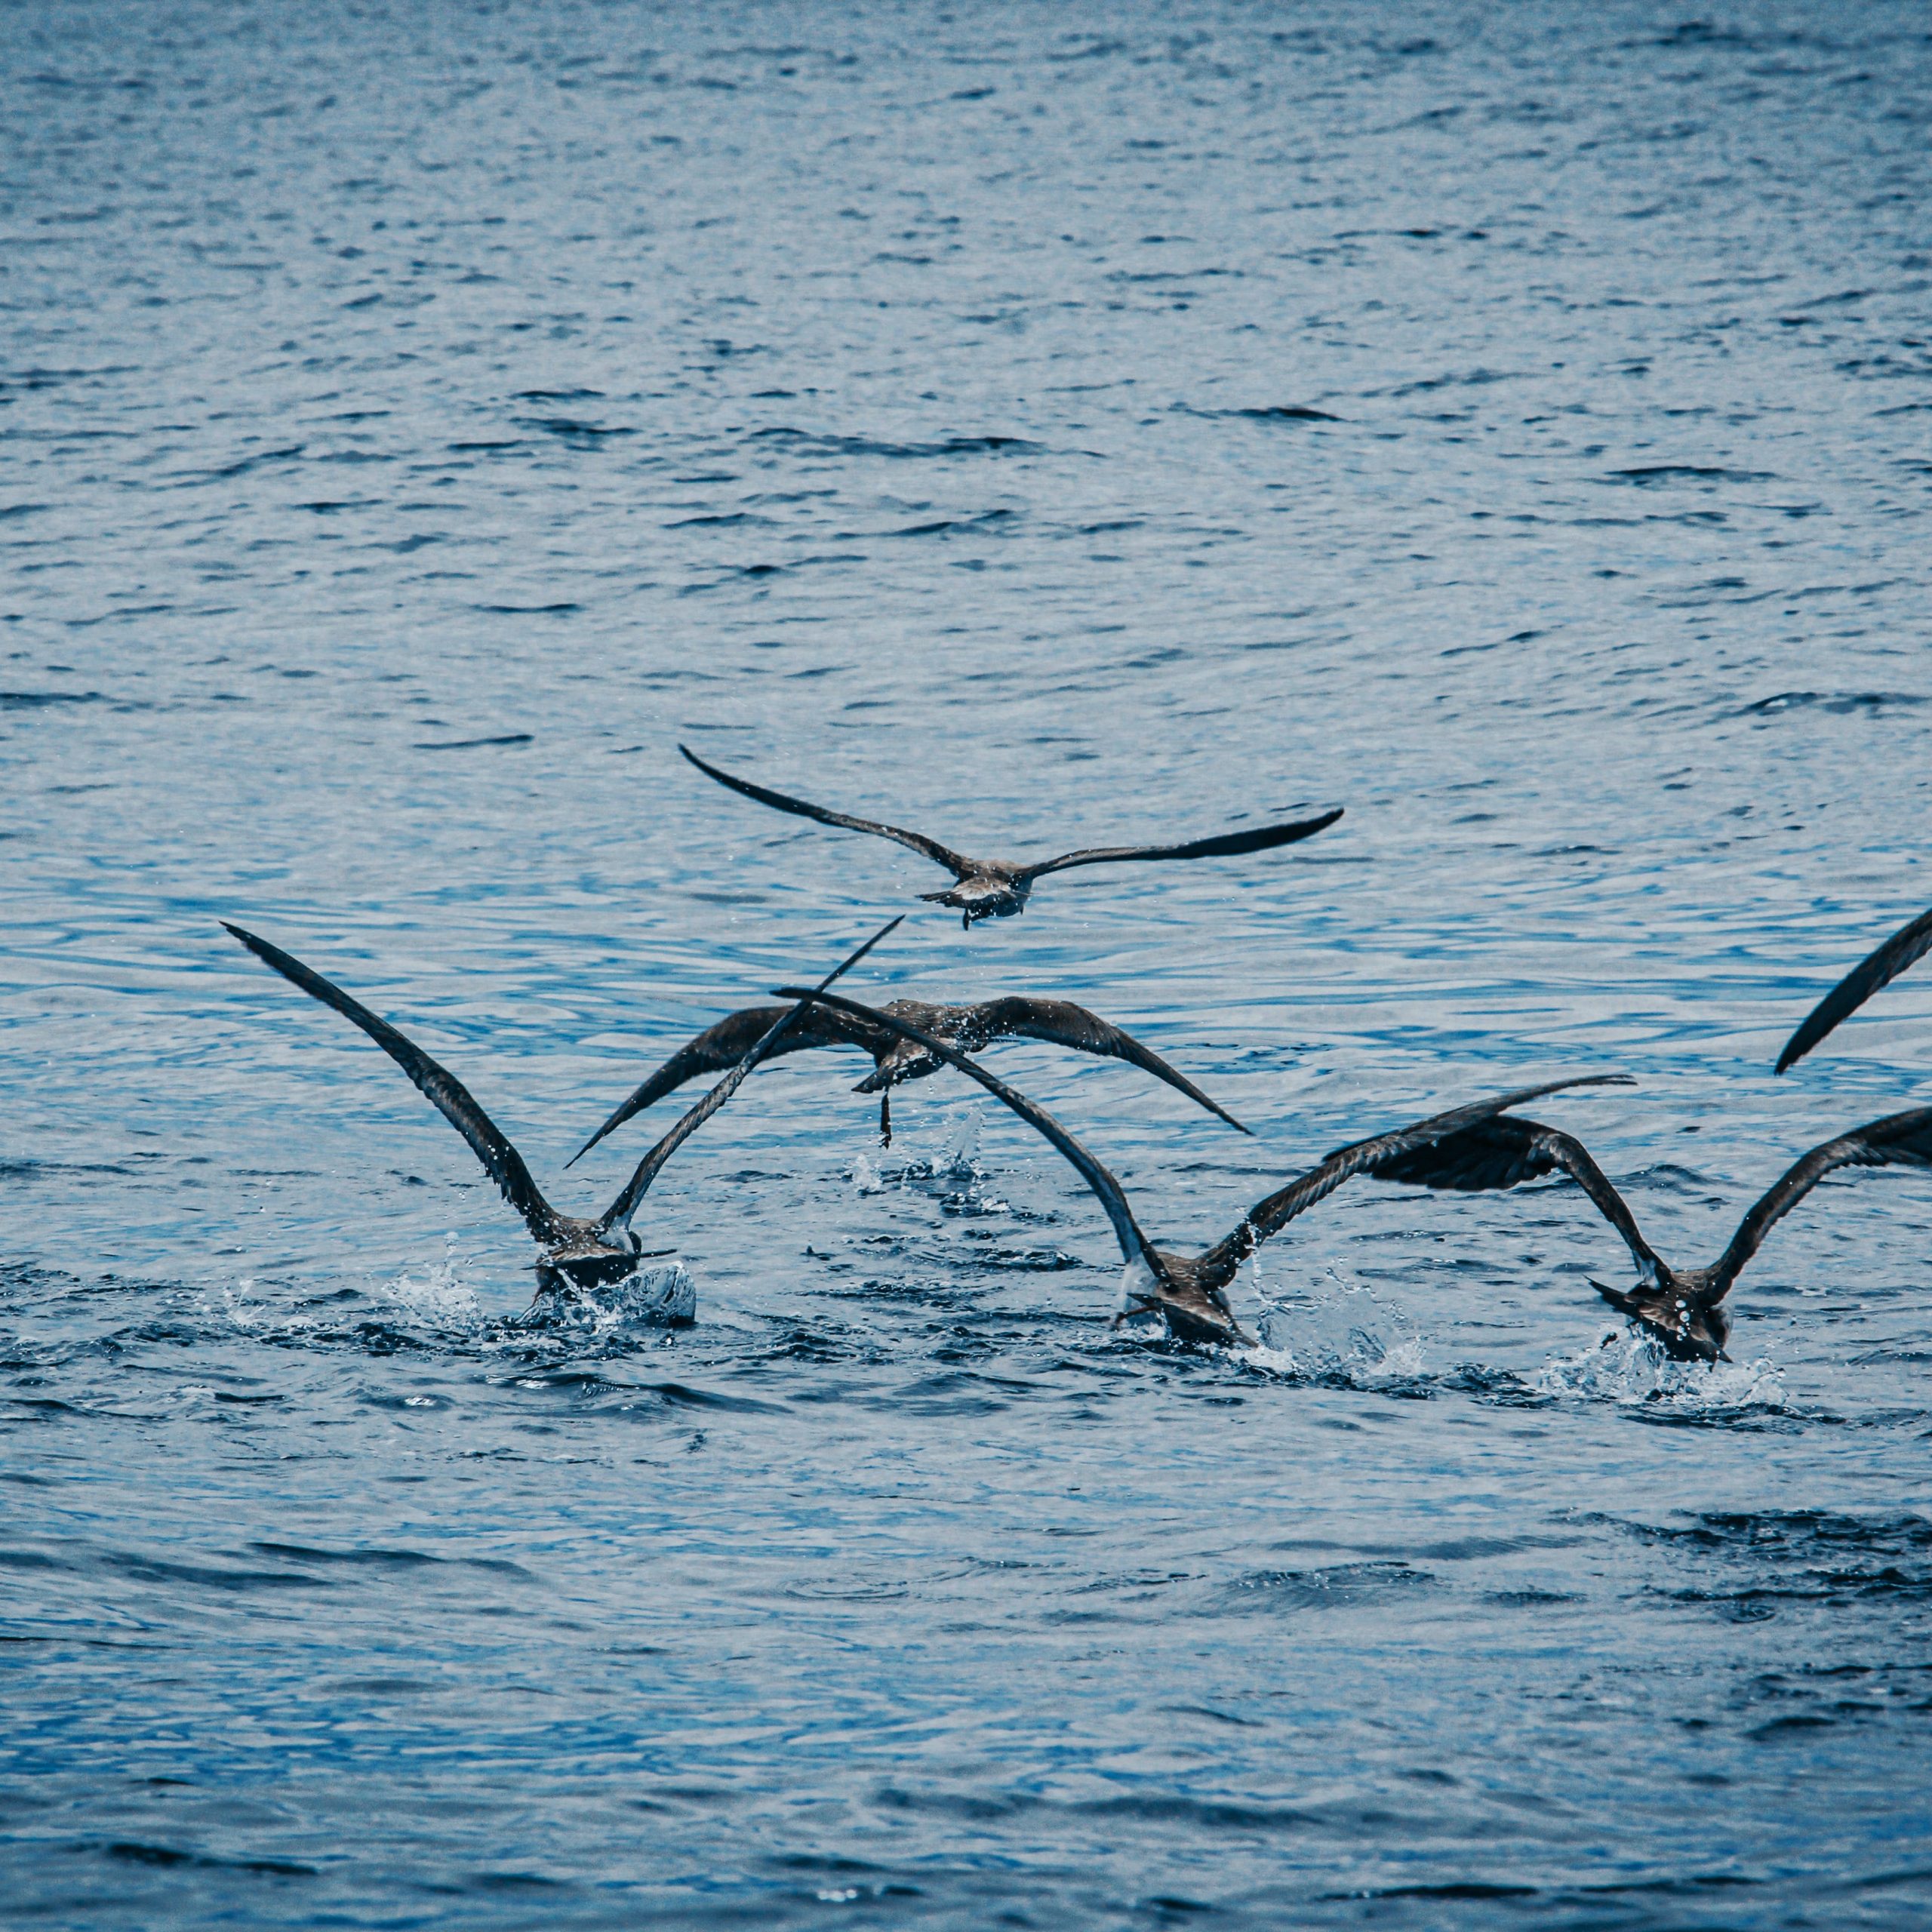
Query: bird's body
point(583, 1257)
point(896, 1058)
point(583, 1253)
point(1683, 1308)
point(994, 889)
point(999, 888)
point(1190, 1292)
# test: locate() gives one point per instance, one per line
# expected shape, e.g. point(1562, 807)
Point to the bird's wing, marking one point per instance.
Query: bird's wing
point(717, 1048)
point(1269, 1216)
point(619, 1214)
point(1066, 1025)
point(442, 1089)
point(1878, 969)
point(1898, 1141)
point(1134, 1244)
point(1504, 1153)
point(944, 854)
point(1226, 846)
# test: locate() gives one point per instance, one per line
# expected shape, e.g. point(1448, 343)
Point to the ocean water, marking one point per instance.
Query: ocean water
point(1044, 427)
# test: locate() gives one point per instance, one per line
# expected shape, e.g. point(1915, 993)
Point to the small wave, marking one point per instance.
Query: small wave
point(1747, 1566)
point(1338, 1586)
point(244, 466)
point(1646, 475)
point(807, 442)
point(131, 1851)
point(39, 700)
point(1268, 412)
point(576, 435)
point(472, 744)
point(957, 526)
point(1841, 704)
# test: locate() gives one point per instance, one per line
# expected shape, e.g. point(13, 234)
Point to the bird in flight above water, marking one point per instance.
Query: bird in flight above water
point(1189, 1292)
point(586, 1253)
point(1682, 1307)
point(997, 888)
point(1877, 969)
point(968, 1028)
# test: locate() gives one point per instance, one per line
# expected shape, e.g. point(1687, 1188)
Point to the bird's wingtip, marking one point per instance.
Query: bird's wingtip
point(1622, 1302)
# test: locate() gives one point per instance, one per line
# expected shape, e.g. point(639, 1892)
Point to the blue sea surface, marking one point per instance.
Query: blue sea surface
point(1044, 427)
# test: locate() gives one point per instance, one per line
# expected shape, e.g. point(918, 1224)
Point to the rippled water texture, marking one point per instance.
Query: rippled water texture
point(1044, 426)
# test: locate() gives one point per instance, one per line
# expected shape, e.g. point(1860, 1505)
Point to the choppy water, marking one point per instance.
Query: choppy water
point(415, 420)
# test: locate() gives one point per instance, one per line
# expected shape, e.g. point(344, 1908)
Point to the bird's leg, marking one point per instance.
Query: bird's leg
point(885, 1118)
point(965, 922)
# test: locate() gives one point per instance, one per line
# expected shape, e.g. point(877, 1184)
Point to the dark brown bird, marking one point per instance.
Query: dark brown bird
point(1189, 1291)
point(968, 1027)
point(586, 1253)
point(997, 888)
point(1683, 1308)
point(1877, 969)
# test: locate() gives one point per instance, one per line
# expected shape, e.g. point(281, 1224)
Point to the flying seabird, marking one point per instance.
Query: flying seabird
point(1189, 1292)
point(997, 888)
point(1683, 1308)
point(586, 1253)
point(968, 1027)
point(1877, 969)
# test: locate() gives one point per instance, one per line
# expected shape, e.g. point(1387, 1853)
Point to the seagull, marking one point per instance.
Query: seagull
point(968, 1027)
point(584, 1253)
point(1189, 1292)
point(997, 888)
point(1683, 1308)
point(1878, 969)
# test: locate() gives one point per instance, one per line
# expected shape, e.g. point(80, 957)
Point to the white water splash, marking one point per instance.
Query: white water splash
point(1345, 1331)
point(954, 1163)
point(1137, 1287)
point(441, 1297)
point(962, 1140)
point(1630, 1367)
point(652, 1298)
point(237, 1302)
